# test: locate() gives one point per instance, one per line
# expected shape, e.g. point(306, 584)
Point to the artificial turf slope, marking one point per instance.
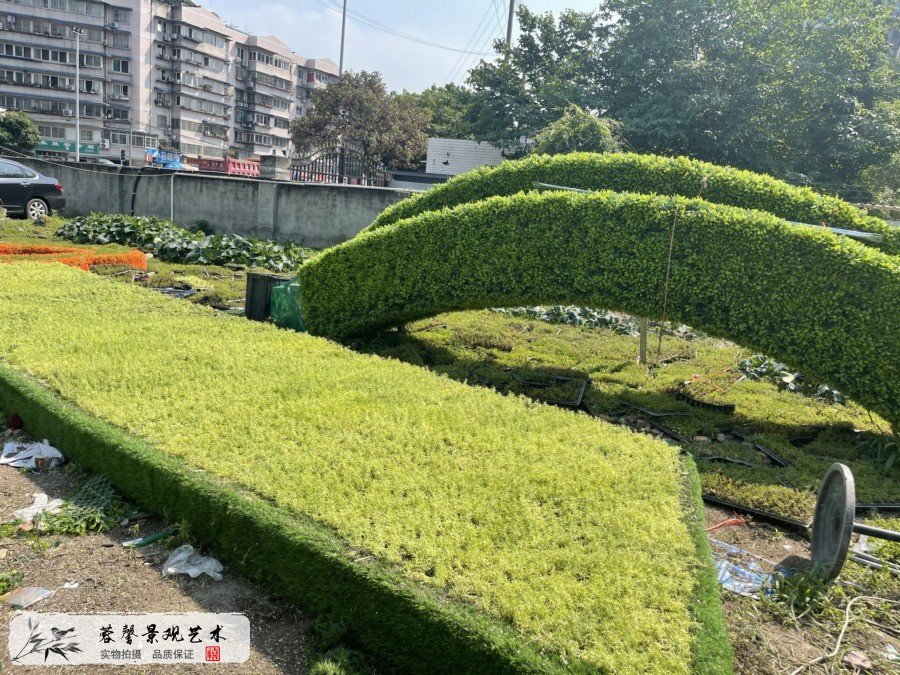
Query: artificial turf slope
point(570, 530)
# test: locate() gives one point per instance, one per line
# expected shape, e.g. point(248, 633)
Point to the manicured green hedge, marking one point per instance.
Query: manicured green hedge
point(452, 528)
point(646, 174)
point(822, 303)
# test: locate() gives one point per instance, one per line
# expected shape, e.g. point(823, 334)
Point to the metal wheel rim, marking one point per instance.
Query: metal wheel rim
point(36, 209)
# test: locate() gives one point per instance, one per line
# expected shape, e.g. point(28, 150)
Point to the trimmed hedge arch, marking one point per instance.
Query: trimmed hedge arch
point(823, 303)
point(647, 174)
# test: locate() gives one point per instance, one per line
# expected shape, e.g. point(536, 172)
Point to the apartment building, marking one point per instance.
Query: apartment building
point(37, 69)
point(153, 74)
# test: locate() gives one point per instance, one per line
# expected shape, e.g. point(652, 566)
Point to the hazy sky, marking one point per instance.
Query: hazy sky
point(311, 29)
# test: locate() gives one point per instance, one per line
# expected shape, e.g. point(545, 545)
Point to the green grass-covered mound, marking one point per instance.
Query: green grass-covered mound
point(647, 174)
point(826, 304)
point(535, 538)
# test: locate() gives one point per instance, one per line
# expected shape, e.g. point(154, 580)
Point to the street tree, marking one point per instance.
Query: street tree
point(577, 130)
point(18, 132)
point(357, 112)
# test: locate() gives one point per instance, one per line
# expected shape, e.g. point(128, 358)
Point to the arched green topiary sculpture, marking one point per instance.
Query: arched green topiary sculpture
point(647, 174)
point(821, 302)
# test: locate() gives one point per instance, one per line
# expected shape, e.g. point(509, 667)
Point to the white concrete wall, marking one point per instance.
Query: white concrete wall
point(452, 156)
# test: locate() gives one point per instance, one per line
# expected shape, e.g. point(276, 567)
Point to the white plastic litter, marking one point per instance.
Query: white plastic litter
point(747, 578)
point(31, 455)
point(892, 653)
point(185, 560)
point(42, 504)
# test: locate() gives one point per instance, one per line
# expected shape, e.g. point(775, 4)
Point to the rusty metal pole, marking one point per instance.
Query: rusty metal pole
point(642, 353)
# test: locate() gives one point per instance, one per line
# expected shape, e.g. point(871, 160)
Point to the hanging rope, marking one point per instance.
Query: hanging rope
point(669, 268)
point(668, 273)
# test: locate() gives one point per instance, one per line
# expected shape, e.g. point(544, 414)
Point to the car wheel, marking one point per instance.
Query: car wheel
point(36, 208)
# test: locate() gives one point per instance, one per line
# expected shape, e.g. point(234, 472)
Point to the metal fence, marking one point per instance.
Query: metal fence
point(337, 165)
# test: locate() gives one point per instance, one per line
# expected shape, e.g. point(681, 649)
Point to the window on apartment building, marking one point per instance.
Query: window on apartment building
point(51, 132)
point(119, 90)
point(214, 40)
point(121, 16)
point(117, 114)
point(91, 61)
point(90, 86)
point(53, 55)
point(55, 82)
point(120, 40)
point(145, 140)
point(190, 149)
point(160, 51)
point(118, 138)
point(19, 51)
point(87, 136)
point(120, 66)
point(91, 110)
point(161, 26)
point(162, 121)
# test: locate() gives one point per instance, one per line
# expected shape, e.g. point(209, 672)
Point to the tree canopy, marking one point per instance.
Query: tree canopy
point(18, 132)
point(446, 109)
point(358, 112)
point(789, 87)
point(577, 130)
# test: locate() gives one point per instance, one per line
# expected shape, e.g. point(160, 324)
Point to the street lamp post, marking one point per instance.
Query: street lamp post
point(343, 30)
point(78, 31)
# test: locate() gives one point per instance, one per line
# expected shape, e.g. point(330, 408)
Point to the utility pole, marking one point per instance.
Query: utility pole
point(509, 22)
point(343, 31)
point(78, 31)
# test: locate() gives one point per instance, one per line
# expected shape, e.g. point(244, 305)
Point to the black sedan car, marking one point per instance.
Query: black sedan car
point(24, 190)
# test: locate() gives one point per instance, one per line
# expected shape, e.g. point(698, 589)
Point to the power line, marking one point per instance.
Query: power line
point(459, 59)
point(471, 60)
point(377, 25)
point(462, 62)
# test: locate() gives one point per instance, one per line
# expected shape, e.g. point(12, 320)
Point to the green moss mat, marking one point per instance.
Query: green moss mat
point(565, 534)
point(487, 348)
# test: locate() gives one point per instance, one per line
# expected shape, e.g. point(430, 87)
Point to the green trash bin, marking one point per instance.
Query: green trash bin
point(284, 307)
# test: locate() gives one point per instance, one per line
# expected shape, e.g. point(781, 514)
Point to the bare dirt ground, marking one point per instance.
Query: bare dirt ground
point(764, 645)
point(112, 579)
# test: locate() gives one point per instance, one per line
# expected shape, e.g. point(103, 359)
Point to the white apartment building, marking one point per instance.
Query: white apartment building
point(153, 74)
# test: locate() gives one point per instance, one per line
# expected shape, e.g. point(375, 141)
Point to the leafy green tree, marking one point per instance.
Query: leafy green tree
point(882, 181)
point(18, 132)
point(577, 130)
point(357, 112)
point(446, 108)
point(781, 86)
point(555, 63)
